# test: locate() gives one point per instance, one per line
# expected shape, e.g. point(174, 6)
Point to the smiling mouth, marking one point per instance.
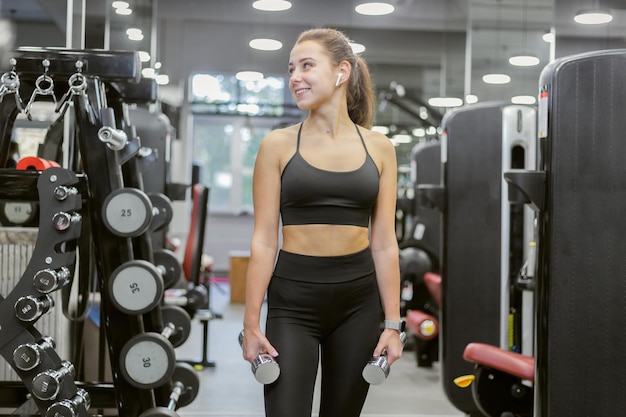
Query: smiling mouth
point(300, 91)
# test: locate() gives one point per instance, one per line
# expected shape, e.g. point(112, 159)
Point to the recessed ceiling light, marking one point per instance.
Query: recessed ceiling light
point(593, 17)
point(374, 9)
point(120, 5)
point(524, 60)
point(249, 76)
point(445, 102)
point(148, 72)
point(523, 100)
point(471, 99)
point(124, 12)
point(134, 34)
point(381, 129)
point(272, 5)
point(162, 79)
point(144, 56)
point(357, 48)
point(265, 44)
point(496, 79)
point(419, 132)
point(548, 37)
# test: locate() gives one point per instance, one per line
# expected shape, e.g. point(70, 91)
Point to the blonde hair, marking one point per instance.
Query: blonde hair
point(360, 94)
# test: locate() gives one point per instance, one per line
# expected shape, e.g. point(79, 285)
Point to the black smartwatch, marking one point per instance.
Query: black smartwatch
point(395, 325)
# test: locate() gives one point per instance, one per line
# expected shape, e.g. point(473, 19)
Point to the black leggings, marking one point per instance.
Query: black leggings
point(306, 312)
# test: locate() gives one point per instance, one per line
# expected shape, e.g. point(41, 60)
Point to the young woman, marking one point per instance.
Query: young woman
point(333, 183)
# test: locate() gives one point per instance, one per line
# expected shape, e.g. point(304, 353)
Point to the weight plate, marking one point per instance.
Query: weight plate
point(17, 213)
point(164, 211)
point(127, 212)
point(147, 360)
point(181, 321)
point(136, 287)
point(172, 269)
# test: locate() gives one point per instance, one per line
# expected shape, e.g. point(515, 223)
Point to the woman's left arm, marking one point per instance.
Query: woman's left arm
point(384, 245)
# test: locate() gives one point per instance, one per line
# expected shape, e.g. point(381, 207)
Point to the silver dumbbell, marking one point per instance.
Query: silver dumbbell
point(71, 407)
point(29, 308)
point(27, 356)
point(264, 367)
point(47, 280)
point(377, 369)
point(47, 384)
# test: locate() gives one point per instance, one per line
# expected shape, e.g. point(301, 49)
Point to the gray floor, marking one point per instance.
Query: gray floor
point(229, 389)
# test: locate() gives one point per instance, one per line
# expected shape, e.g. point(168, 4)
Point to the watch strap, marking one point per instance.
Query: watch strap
point(394, 325)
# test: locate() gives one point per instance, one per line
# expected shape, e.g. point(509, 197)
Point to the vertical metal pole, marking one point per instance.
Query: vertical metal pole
point(107, 25)
point(468, 53)
point(83, 26)
point(69, 26)
point(153, 33)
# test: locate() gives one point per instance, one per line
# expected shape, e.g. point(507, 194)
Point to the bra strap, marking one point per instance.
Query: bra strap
point(362, 140)
point(298, 142)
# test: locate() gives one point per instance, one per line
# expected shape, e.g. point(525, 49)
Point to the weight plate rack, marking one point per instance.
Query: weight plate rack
point(94, 205)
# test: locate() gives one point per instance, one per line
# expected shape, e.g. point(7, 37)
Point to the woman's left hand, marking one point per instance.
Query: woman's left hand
point(390, 342)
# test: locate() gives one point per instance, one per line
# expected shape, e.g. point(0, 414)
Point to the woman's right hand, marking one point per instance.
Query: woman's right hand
point(255, 342)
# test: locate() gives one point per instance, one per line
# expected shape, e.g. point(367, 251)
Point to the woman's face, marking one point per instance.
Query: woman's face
point(313, 76)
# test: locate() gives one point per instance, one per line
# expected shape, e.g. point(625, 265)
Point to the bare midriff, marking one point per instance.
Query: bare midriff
point(324, 239)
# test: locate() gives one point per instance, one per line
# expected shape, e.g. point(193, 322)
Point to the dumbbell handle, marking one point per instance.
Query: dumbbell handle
point(168, 330)
point(178, 389)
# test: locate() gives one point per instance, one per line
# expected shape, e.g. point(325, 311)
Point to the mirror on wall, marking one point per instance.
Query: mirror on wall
point(508, 48)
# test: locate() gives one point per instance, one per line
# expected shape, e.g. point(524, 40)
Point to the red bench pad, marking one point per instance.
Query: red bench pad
point(414, 320)
point(433, 284)
point(513, 363)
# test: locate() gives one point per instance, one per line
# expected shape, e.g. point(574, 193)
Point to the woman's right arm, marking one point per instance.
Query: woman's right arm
point(264, 245)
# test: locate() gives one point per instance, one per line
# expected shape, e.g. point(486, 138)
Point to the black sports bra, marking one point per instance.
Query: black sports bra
point(311, 195)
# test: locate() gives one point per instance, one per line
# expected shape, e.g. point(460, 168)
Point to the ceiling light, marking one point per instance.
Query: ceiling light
point(381, 129)
point(401, 138)
point(419, 132)
point(496, 79)
point(162, 79)
point(357, 48)
point(265, 44)
point(374, 9)
point(120, 5)
point(272, 5)
point(445, 102)
point(524, 60)
point(523, 100)
point(134, 34)
point(471, 99)
point(593, 17)
point(124, 12)
point(144, 56)
point(249, 76)
point(147, 72)
point(548, 37)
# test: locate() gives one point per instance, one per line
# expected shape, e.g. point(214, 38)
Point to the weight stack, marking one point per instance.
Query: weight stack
point(16, 249)
point(479, 143)
point(581, 283)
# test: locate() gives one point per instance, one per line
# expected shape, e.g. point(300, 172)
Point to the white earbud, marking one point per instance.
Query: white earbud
point(339, 77)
